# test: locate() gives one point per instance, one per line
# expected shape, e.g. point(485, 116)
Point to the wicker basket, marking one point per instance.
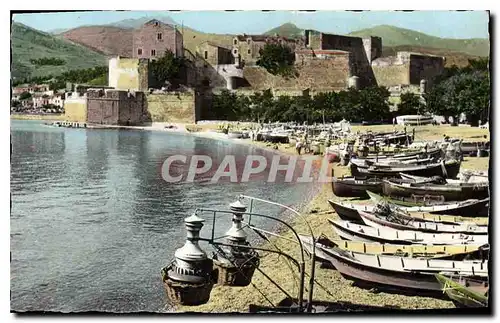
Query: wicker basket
point(230, 275)
point(186, 294)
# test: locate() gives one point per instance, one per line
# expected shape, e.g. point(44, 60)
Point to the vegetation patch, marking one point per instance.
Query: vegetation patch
point(48, 61)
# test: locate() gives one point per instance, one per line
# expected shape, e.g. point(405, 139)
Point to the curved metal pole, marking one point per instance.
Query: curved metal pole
point(313, 260)
point(302, 263)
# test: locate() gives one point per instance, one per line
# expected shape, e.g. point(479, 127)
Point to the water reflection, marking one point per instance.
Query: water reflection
point(92, 220)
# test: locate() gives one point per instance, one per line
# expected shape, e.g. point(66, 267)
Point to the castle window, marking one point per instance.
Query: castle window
point(249, 40)
point(158, 36)
point(249, 51)
point(153, 52)
point(139, 51)
point(235, 41)
point(206, 54)
point(235, 51)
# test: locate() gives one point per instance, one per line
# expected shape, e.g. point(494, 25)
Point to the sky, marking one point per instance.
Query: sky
point(446, 24)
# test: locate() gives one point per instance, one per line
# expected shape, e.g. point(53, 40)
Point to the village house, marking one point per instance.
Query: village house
point(40, 100)
point(57, 100)
point(153, 38)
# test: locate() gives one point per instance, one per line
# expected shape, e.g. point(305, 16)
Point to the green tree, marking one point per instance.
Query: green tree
point(166, 69)
point(277, 59)
point(373, 104)
point(467, 93)
point(25, 96)
point(260, 103)
point(410, 104)
point(224, 106)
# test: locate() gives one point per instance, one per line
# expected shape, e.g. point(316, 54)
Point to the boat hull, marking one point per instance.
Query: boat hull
point(355, 188)
point(448, 192)
point(451, 170)
point(411, 283)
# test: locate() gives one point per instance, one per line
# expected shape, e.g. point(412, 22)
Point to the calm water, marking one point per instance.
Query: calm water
point(93, 222)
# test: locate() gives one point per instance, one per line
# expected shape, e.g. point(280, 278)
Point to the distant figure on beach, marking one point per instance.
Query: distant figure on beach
point(298, 146)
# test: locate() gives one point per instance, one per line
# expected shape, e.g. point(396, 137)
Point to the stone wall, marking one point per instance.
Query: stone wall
point(425, 67)
point(391, 75)
point(114, 107)
point(128, 74)
point(75, 108)
point(359, 63)
point(329, 74)
point(174, 107)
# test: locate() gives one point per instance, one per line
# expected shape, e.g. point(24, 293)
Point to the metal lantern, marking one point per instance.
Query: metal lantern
point(188, 280)
point(235, 265)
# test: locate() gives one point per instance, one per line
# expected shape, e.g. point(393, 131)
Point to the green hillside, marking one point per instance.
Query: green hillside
point(394, 36)
point(286, 30)
point(28, 44)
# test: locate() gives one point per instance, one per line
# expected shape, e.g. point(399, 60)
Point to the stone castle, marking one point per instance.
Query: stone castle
point(324, 62)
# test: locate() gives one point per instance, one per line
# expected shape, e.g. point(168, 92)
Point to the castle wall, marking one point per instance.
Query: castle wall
point(392, 75)
point(128, 74)
point(174, 107)
point(359, 63)
point(114, 107)
point(425, 67)
point(75, 108)
point(330, 74)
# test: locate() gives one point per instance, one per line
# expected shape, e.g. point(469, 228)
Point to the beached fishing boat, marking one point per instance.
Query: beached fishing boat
point(450, 192)
point(436, 218)
point(448, 169)
point(455, 252)
point(405, 275)
point(469, 208)
point(349, 211)
point(460, 294)
point(352, 187)
point(375, 220)
point(352, 231)
point(404, 155)
point(462, 178)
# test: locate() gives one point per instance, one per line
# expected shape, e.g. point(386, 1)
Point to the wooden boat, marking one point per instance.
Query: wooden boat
point(438, 218)
point(351, 231)
point(389, 162)
point(450, 192)
point(470, 208)
point(455, 252)
point(376, 221)
point(440, 180)
point(349, 211)
point(403, 275)
point(352, 187)
point(449, 169)
point(408, 154)
point(395, 162)
point(461, 295)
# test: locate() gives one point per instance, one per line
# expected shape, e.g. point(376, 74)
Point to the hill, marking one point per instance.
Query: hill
point(395, 36)
point(136, 23)
point(108, 40)
point(104, 38)
point(287, 30)
point(28, 43)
